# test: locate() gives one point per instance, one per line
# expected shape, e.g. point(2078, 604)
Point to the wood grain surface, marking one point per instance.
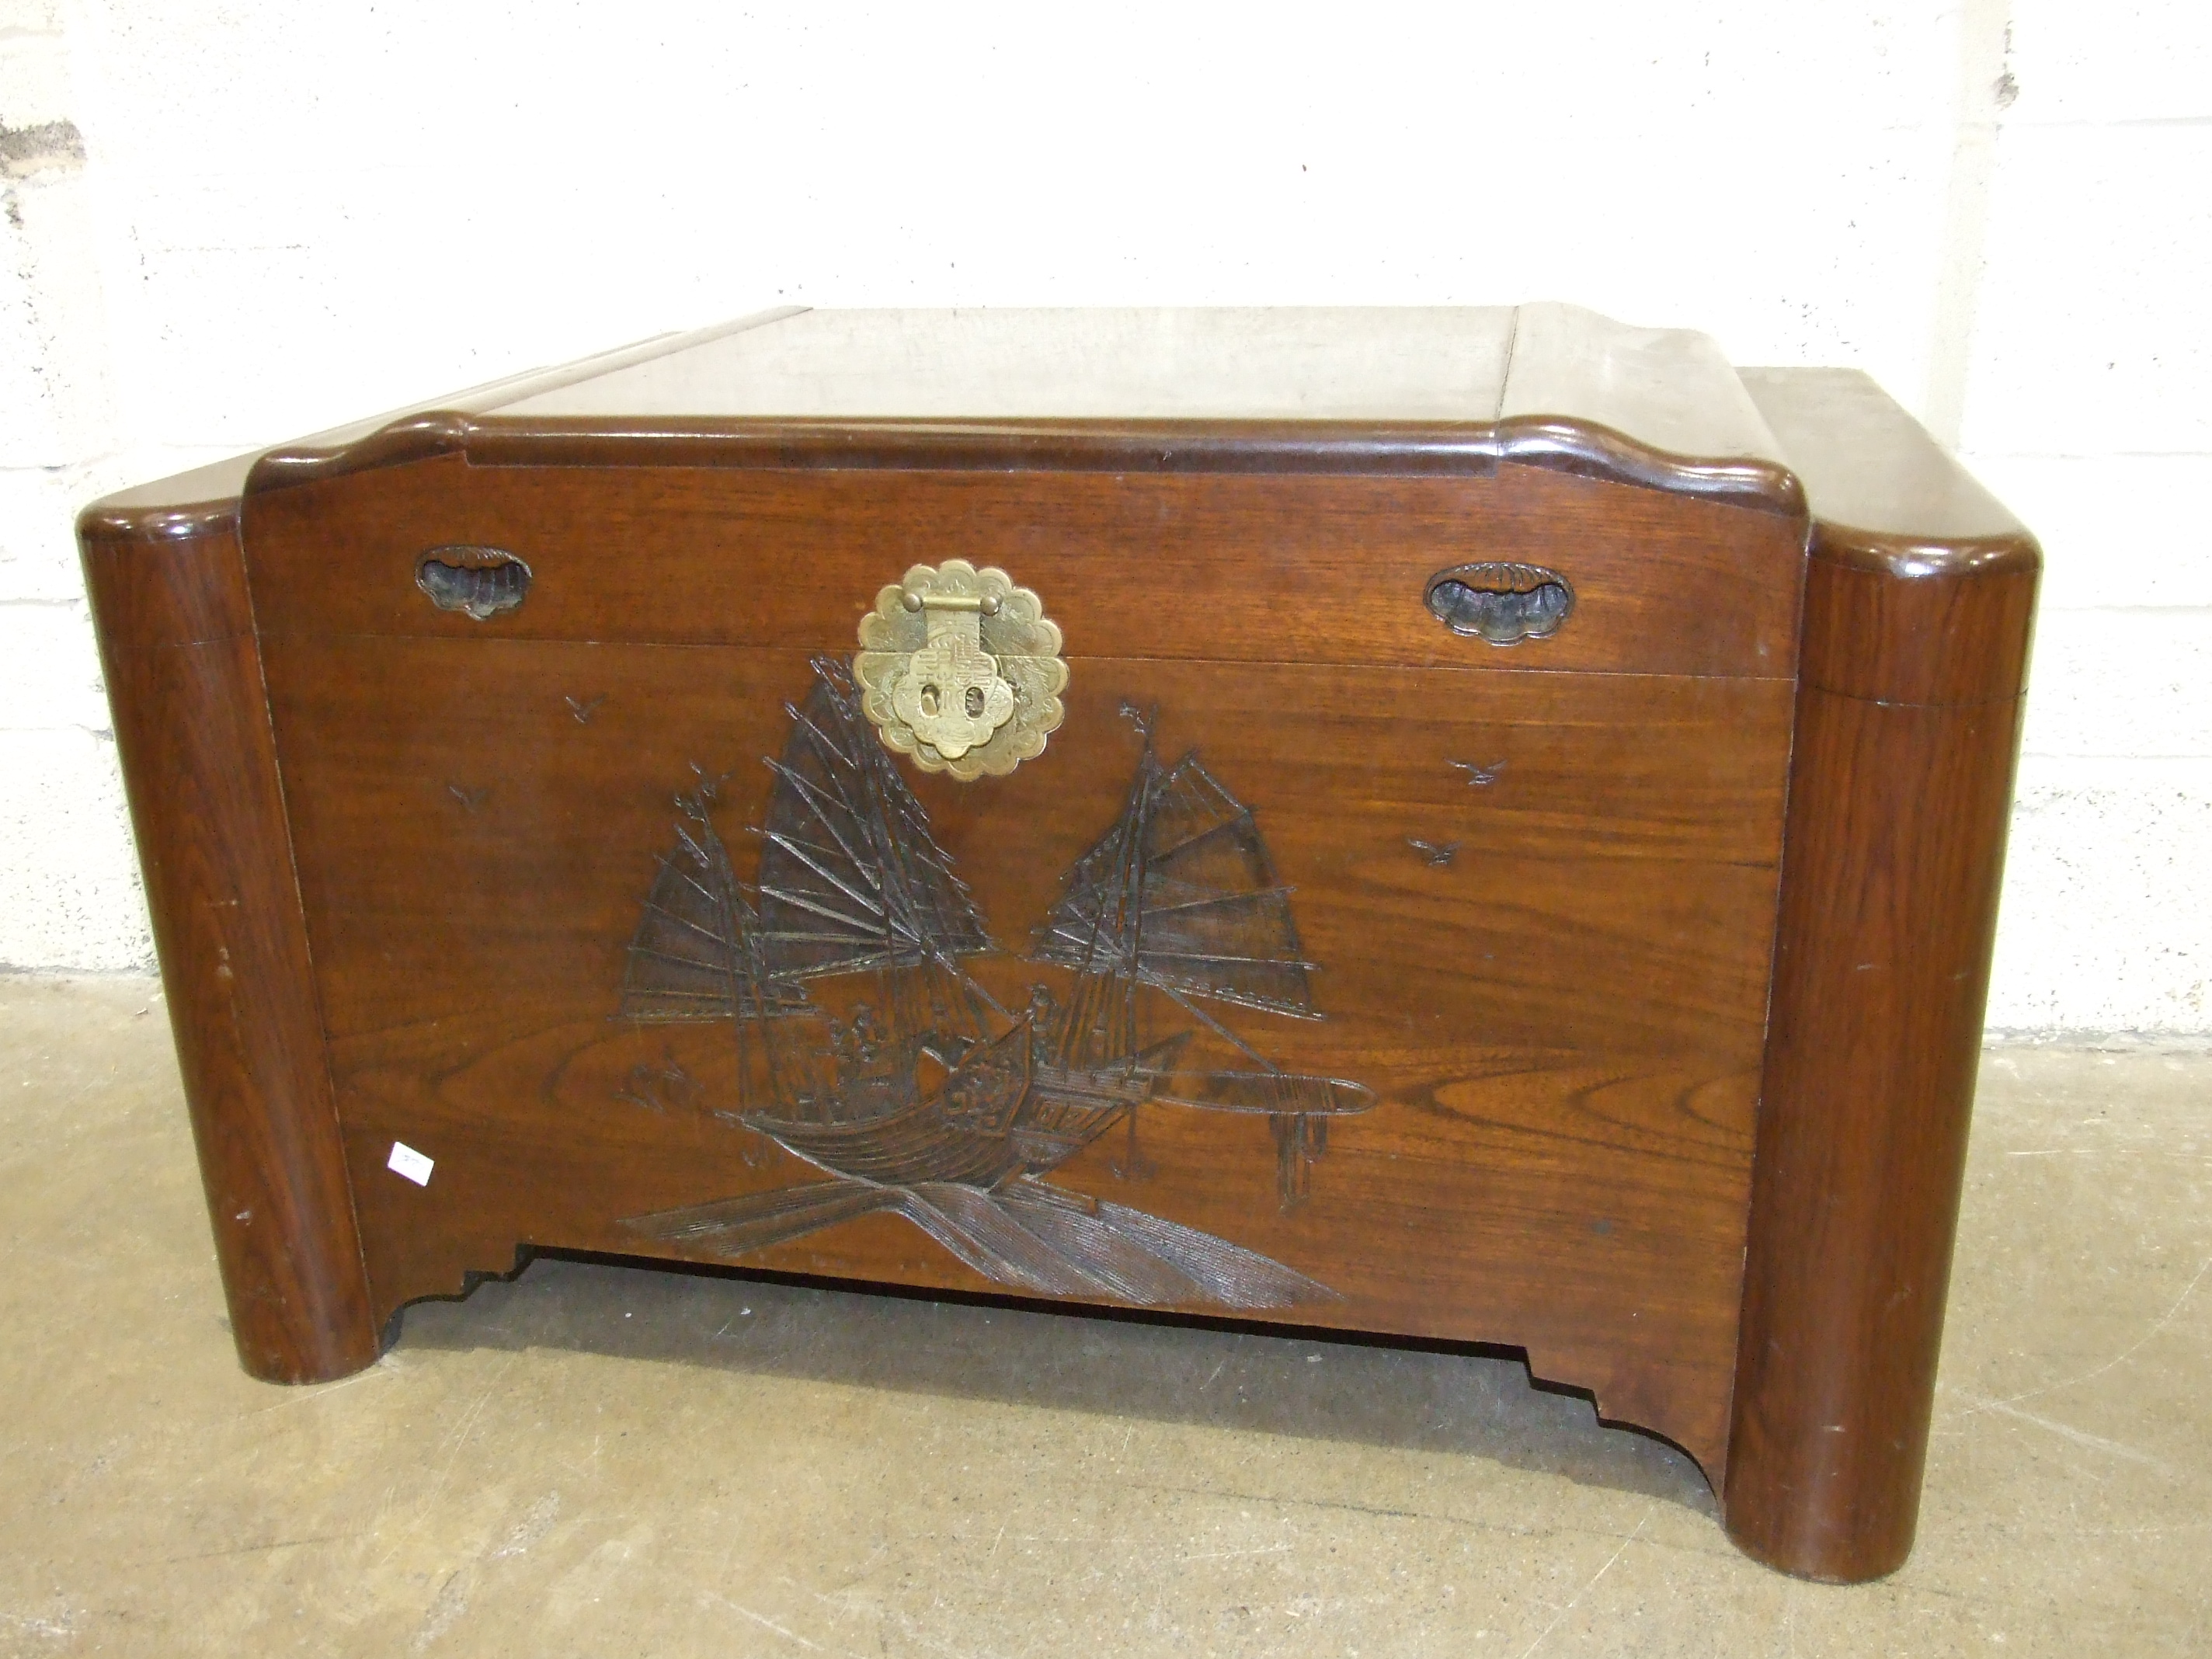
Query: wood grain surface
point(1543, 885)
point(1326, 570)
point(1879, 982)
point(1919, 601)
point(192, 725)
point(1563, 1023)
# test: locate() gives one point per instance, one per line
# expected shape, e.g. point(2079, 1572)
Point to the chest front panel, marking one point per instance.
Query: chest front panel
point(1328, 966)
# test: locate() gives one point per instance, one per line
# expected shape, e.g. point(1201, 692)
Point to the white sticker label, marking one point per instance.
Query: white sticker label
point(406, 1161)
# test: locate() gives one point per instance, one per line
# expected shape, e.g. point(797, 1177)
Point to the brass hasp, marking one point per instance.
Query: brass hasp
point(961, 670)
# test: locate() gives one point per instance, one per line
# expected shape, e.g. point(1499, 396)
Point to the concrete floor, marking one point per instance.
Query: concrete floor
point(606, 1461)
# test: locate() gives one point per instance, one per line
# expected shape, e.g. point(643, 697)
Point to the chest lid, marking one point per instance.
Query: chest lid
point(1404, 488)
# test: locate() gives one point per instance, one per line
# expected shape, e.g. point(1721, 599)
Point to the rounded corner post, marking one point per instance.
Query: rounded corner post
point(183, 667)
point(1911, 683)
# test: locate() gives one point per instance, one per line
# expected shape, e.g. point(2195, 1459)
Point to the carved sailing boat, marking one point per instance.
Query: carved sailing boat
point(1181, 895)
point(932, 1102)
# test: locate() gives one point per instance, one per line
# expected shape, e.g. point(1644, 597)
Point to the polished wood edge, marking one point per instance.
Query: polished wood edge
point(1461, 448)
point(1948, 638)
point(1919, 558)
point(1671, 390)
point(536, 382)
point(1884, 496)
point(1892, 857)
point(1166, 447)
point(171, 585)
point(181, 521)
point(1586, 448)
point(166, 578)
point(1920, 586)
point(415, 437)
point(199, 765)
point(204, 492)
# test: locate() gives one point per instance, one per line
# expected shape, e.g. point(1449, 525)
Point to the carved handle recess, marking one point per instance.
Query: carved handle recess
point(480, 583)
point(1501, 602)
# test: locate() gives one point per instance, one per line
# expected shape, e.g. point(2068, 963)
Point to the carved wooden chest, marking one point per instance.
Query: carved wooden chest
point(1479, 824)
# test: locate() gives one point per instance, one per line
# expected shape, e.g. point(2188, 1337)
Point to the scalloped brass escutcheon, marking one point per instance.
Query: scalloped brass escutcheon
point(960, 669)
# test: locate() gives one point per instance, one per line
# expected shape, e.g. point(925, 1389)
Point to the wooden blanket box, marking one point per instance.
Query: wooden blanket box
point(1483, 825)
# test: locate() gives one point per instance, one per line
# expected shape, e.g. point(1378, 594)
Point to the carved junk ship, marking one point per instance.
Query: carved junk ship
point(928, 1099)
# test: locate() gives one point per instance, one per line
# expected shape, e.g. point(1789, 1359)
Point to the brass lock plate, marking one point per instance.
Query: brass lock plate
point(960, 669)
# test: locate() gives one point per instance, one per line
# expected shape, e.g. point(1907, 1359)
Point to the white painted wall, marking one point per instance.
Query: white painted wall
point(277, 216)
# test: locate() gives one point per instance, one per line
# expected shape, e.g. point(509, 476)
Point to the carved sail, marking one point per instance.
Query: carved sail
point(850, 878)
point(693, 956)
point(850, 881)
point(1180, 894)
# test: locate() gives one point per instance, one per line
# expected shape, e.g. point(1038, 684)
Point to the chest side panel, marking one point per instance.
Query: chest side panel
point(1326, 967)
